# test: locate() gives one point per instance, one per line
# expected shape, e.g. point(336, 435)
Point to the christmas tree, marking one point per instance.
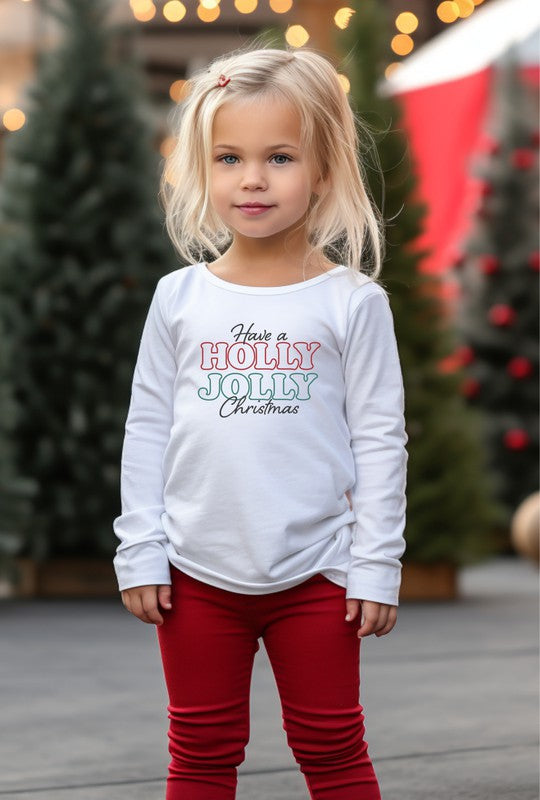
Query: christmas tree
point(498, 314)
point(16, 491)
point(82, 248)
point(451, 512)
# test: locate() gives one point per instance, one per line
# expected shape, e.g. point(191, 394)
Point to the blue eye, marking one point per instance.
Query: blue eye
point(282, 155)
point(276, 155)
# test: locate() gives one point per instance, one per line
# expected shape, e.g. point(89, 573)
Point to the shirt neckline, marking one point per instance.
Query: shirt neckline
point(288, 287)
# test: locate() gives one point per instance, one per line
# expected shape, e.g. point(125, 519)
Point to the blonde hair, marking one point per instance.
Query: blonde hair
point(341, 220)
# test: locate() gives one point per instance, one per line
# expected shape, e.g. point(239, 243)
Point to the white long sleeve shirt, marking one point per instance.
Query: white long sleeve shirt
point(253, 411)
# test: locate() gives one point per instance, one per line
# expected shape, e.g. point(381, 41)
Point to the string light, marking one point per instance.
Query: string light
point(208, 14)
point(178, 89)
point(296, 35)
point(345, 83)
point(466, 7)
point(390, 68)
point(13, 119)
point(343, 16)
point(245, 6)
point(167, 146)
point(174, 11)
point(143, 10)
point(140, 6)
point(406, 22)
point(402, 44)
point(280, 6)
point(448, 11)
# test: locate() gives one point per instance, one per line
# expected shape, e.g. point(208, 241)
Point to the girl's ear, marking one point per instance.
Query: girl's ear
point(320, 185)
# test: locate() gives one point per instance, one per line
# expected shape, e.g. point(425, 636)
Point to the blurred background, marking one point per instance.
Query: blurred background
point(450, 93)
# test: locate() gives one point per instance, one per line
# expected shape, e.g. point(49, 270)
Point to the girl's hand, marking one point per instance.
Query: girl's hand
point(142, 601)
point(378, 618)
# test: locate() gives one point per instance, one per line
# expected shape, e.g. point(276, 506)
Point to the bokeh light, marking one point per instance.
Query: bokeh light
point(245, 6)
point(406, 22)
point(178, 90)
point(345, 83)
point(402, 44)
point(174, 11)
point(448, 11)
point(13, 119)
point(466, 7)
point(143, 10)
point(208, 14)
point(343, 16)
point(280, 6)
point(296, 35)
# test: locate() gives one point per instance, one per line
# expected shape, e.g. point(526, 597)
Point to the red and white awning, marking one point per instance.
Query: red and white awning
point(445, 89)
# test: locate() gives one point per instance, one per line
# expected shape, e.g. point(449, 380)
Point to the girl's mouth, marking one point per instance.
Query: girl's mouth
point(254, 210)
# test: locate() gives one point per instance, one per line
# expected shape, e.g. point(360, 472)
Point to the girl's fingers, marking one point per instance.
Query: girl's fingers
point(149, 605)
point(387, 628)
point(164, 596)
point(369, 626)
point(352, 607)
point(389, 623)
point(377, 618)
point(143, 605)
point(137, 608)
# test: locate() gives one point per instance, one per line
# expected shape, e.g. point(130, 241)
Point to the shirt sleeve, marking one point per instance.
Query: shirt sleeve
point(141, 558)
point(374, 404)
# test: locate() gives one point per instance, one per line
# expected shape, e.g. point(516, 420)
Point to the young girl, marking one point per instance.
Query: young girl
point(264, 460)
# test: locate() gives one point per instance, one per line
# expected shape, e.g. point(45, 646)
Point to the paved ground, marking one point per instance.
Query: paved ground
point(450, 699)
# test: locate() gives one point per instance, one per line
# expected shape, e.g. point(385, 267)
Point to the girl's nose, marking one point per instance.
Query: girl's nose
point(253, 178)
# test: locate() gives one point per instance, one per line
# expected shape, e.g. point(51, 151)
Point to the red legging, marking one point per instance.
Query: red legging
point(208, 641)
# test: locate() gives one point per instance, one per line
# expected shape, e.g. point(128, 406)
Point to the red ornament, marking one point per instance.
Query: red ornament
point(470, 388)
point(489, 264)
point(461, 356)
point(465, 354)
point(501, 314)
point(522, 158)
point(448, 364)
point(485, 188)
point(516, 439)
point(534, 261)
point(519, 367)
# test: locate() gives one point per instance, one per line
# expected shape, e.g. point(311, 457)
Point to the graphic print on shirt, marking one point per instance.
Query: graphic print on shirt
point(266, 368)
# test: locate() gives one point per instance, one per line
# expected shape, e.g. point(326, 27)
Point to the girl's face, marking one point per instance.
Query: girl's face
point(258, 158)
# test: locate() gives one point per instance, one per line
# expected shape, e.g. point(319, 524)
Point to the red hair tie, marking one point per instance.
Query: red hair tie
point(222, 81)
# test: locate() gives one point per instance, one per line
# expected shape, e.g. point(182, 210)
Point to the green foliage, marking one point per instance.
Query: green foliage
point(501, 268)
point(451, 511)
point(16, 491)
point(82, 248)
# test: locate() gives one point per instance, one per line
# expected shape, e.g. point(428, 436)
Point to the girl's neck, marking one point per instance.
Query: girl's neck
point(239, 263)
